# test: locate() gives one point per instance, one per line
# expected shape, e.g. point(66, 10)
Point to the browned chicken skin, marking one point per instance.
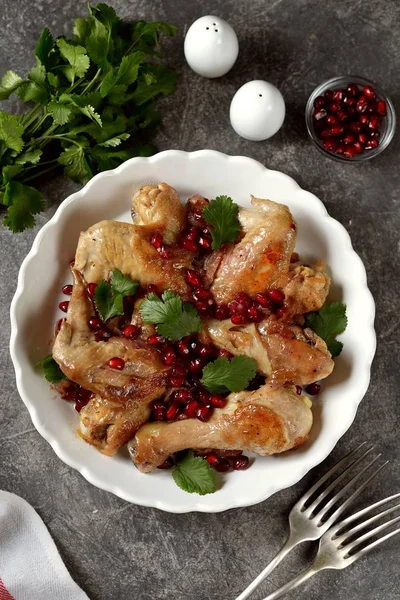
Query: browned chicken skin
point(265, 421)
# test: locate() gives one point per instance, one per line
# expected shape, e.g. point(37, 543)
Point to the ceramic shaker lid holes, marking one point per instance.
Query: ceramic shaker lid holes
point(257, 110)
point(211, 46)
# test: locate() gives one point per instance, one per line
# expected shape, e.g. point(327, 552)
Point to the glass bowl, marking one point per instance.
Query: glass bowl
point(387, 128)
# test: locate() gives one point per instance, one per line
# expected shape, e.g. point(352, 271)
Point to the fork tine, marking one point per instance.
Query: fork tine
point(370, 533)
point(373, 545)
point(334, 516)
point(324, 494)
point(327, 475)
point(354, 517)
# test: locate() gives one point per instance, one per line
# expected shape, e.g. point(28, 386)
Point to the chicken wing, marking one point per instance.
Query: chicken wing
point(306, 289)
point(282, 352)
point(265, 421)
point(261, 259)
point(159, 206)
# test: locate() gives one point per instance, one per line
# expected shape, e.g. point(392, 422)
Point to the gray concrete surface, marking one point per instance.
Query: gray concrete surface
point(115, 550)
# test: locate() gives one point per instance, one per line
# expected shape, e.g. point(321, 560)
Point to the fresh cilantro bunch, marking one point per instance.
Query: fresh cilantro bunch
point(109, 296)
point(328, 322)
point(92, 98)
point(173, 318)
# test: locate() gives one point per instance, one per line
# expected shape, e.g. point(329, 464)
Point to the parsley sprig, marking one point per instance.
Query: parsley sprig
point(329, 322)
point(92, 97)
point(50, 368)
point(173, 318)
point(109, 296)
point(193, 474)
point(222, 215)
point(225, 375)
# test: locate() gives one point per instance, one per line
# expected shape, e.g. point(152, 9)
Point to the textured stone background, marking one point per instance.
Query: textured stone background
point(115, 550)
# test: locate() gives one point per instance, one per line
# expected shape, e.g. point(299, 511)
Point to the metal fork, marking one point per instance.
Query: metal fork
point(310, 520)
point(340, 547)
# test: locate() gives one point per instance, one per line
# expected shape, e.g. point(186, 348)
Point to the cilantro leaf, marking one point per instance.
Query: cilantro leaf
point(328, 322)
point(76, 165)
point(31, 157)
point(9, 83)
point(222, 215)
point(174, 320)
point(193, 474)
point(11, 131)
point(165, 84)
point(51, 370)
point(115, 141)
point(105, 14)
point(23, 202)
point(225, 375)
point(44, 47)
point(123, 284)
point(109, 296)
point(10, 171)
point(61, 113)
point(77, 58)
point(126, 73)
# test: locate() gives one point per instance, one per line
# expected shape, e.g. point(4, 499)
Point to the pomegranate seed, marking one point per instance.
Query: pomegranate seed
point(364, 120)
point(218, 401)
point(328, 95)
point(204, 397)
point(204, 413)
point(158, 411)
point(372, 107)
point(67, 289)
point(172, 411)
point(116, 363)
point(102, 335)
point(69, 393)
point(80, 404)
point(204, 308)
point(319, 102)
point(338, 95)
point(179, 371)
point(334, 107)
point(191, 409)
point(225, 353)
point(276, 296)
point(363, 138)
point(243, 298)
point(313, 389)
point(169, 357)
point(262, 300)
point(350, 152)
point(176, 381)
point(349, 139)
point(374, 122)
point(254, 314)
point(337, 130)
point(355, 127)
point(152, 289)
point(238, 319)
point(205, 243)
point(340, 149)
point(157, 240)
point(240, 463)
point(64, 306)
point(164, 252)
point(183, 348)
point(330, 144)
point(91, 288)
point(204, 351)
point(352, 89)
point(232, 306)
point(325, 133)
point(95, 323)
point(222, 312)
point(381, 108)
point(189, 245)
point(319, 114)
point(362, 104)
point(167, 464)
point(58, 324)
point(280, 313)
point(195, 365)
point(183, 395)
point(351, 111)
point(342, 116)
point(299, 390)
point(332, 120)
point(155, 339)
point(193, 278)
point(374, 134)
point(202, 294)
point(212, 459)
point(372, 144)
point(369, 92)
point(350, 101)
point(358, 147)
point(222, 466)
point(193, 234)
point(130, 332)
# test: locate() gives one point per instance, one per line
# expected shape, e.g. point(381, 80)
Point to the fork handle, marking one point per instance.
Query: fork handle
point(291, 585)
point(286, 548)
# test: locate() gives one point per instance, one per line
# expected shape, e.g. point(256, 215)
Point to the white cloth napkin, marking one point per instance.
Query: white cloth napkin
point(30, 565)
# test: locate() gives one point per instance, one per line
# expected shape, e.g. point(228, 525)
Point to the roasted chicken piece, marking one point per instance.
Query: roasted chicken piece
point(282, 351)
point(265, 421)
point(125, 394)
point(306, 289)
point(261, 259)
point(159, 206)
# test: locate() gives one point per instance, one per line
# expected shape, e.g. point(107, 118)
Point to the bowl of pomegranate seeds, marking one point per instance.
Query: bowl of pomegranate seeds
point(350, 118)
